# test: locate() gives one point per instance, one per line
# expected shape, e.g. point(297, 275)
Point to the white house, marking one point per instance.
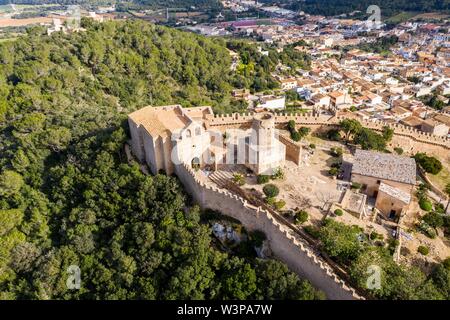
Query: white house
point(272, 102)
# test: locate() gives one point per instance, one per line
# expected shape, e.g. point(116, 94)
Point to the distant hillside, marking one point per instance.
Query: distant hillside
point(322, 7)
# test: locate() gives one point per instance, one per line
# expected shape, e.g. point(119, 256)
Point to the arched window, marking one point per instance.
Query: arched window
point(198, 131)
point(188, 133)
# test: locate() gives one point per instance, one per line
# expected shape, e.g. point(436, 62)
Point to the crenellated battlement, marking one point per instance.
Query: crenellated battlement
point(280, 237)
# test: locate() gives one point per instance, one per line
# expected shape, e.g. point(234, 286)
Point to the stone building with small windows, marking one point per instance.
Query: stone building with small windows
point(387, 178)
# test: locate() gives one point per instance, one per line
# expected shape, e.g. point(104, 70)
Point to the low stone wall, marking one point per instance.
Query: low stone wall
point(433, 188)
point(286, 246)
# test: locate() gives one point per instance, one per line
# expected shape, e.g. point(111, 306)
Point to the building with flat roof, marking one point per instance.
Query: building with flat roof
point(435, 127)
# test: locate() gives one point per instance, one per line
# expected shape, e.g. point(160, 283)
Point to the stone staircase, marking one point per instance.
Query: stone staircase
point(222, 177)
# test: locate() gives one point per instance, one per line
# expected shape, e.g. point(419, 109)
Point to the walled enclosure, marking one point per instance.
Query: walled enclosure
point(286, 247)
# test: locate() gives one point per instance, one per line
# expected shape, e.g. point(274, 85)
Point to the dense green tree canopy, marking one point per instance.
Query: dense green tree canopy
point(349, 245)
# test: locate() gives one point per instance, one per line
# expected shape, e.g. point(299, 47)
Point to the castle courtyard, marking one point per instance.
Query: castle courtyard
point(306, 186)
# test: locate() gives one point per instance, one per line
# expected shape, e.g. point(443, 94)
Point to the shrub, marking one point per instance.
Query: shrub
point(356, 185)
point(291, 125)
point(429, 164)
point(312, 146)
point(278, 174)
point(393, 244)
point(333, 135)
point(239, 179)
point(336, 152)
point(434, 219)
point(280, 204)
point(422, 191)
point(257, 237)
point(423, 250)
point(271, 190)
point(440, 208)
point(262, 178)
point(295, 135)
point(301, 217)
point(446, 263)
point(398, 150)
point(375, 235)
point(388, 133)
point(425, 204)
point(271, 201)
point(427, 230)
point(431, 233)
point(304, 131)
point(446, 221)
point(338, 212)
point(333, 171)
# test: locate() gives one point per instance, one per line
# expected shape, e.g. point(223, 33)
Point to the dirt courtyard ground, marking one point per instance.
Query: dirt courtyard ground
point(308, 186)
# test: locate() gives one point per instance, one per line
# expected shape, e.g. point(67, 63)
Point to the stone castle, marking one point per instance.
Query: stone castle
point(180, 140)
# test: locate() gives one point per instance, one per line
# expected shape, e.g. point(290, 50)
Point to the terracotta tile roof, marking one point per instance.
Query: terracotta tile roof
point(160, 121)
point(443, 118)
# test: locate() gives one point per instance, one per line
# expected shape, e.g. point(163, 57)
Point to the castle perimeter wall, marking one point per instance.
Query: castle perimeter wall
point(286, 246)
point(409, 139)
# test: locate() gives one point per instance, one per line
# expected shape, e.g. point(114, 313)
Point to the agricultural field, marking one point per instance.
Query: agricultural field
point(401, 17)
